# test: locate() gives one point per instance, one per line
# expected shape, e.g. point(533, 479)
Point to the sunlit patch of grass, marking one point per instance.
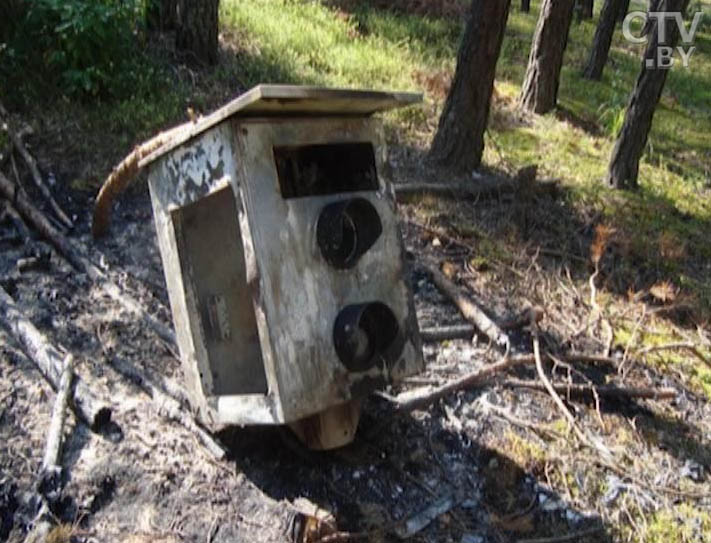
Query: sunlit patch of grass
point(682, 524)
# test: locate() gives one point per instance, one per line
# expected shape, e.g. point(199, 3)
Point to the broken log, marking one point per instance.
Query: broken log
point(472, 312)
point(34, 170)
point(88, 408)
point(79, 260)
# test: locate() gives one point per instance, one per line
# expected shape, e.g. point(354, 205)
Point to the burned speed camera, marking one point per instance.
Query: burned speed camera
point(283, 259)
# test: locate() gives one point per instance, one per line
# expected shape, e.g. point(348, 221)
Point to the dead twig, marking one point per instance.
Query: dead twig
point(469, 309)
point(34, 170)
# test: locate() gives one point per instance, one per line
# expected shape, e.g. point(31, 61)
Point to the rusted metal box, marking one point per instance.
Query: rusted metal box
point(282, 255)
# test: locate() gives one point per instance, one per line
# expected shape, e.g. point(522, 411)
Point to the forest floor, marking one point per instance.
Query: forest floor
point(501, 457)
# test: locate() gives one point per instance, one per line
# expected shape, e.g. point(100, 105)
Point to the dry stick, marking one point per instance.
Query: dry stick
point(649, 393)
point(56, 425)
point(419, 401)
point(469, 310)
point(49, 361)
point(51, 467)
point(34, 170)
point(79, 261)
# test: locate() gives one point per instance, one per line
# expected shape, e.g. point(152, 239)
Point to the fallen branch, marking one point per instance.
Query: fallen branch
point(647, 393)
point(50, 481)
point(56, 425)
point(34, 170)
point(469, 309)
point(419, 400)
point(79, 260)
point(94, 413)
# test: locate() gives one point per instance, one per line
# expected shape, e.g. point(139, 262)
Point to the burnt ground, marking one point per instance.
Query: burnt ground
point(502, 455)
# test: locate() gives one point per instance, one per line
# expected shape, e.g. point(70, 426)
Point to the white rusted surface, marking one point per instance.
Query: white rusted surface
point(253, 300)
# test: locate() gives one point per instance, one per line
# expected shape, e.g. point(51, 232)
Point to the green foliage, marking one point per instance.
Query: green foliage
point(82, 48)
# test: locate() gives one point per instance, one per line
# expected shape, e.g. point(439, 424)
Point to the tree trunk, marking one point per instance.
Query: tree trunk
point(459, 141)
point(197, 29)
point(525, 6)
point(540, 86)
point(632, 139)
point(586, 8)
point(623, 9)
point(161, 15)
point(653, 6)
point(602, 41)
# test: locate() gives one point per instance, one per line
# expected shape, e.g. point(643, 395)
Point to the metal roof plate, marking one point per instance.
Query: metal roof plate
point(292, 101)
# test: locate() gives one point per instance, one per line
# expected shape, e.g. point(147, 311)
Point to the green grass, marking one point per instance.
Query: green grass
point(313, 42)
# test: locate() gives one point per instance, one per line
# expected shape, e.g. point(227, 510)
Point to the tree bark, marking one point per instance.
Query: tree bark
point(540, 86)
point(586, 8)
point(459, 141)
point(161, 15)
point(632, 139)
point(602, 41)
point(622, 10)
point(197, 29)
point(525, 6)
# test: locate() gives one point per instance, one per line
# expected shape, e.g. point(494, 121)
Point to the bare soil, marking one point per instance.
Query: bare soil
point(503, 455)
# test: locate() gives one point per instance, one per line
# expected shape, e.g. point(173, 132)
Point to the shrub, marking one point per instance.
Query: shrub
point(82, 48)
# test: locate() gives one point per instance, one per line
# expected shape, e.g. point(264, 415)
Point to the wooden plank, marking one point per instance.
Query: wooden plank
point(292, 100)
